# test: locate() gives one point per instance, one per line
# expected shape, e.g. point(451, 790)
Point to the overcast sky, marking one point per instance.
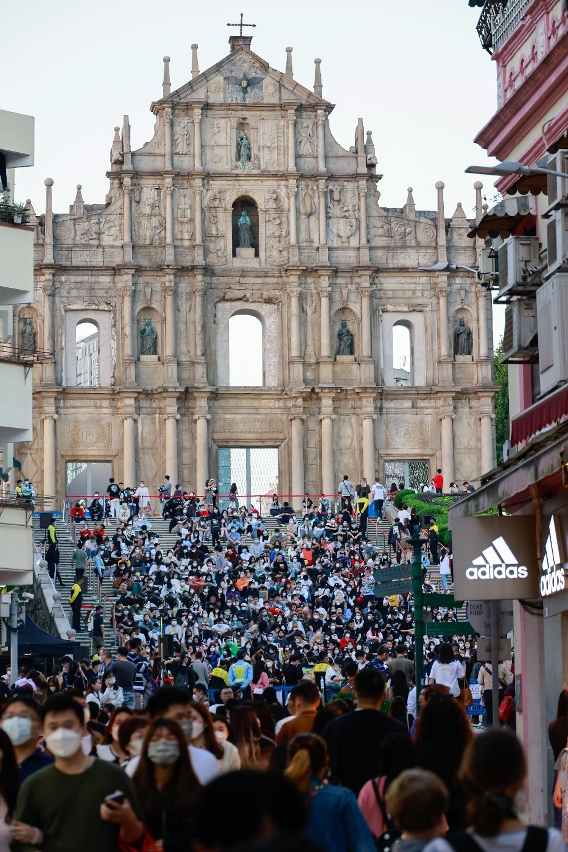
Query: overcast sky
point(414, 71)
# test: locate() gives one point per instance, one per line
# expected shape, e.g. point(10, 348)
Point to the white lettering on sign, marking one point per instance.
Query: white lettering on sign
point(496, 563)
point(552, 579)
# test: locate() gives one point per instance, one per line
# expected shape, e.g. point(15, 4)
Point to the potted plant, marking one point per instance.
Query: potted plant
point(19, 214)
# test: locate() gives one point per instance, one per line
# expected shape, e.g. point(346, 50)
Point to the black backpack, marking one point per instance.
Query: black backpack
point(386, 841)
point(535, 841)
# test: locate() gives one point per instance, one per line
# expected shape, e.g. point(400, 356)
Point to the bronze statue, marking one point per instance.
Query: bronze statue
point(28, 337)
point(149, 339)
point(463, 339)
point(345, 344)
point(245, 231)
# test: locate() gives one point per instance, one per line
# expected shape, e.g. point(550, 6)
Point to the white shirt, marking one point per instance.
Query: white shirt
point(511, 841)
point(447, 674)
point(378, 491)
point(203, 762)
point(142, 491)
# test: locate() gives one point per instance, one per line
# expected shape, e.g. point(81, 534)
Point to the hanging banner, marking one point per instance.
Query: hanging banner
point(495, 558)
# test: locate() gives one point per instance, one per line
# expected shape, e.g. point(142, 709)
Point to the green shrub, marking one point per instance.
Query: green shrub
point(436, 505)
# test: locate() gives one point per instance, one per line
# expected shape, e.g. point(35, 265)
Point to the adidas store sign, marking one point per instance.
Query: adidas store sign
point(496, 563)
point(495, 558)
point(552, 578)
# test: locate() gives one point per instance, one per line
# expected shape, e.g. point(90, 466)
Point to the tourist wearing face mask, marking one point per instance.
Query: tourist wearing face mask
point(203, 735)
point(22, 723)
point(110, 748)
point(131, 736)
point(67, 802)
point(111, 694)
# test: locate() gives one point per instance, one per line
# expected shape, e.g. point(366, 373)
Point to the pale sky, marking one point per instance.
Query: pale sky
point(414, 70)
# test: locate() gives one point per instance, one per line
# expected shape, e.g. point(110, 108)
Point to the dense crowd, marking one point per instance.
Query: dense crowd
point(225, 719)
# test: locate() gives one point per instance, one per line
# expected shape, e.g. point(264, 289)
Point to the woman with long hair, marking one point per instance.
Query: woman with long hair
point(110, 748)
point(203, 735)
point(447, 670)
point(259, 677)
point(397, 755)
point(492, 773)
point(334, 818)
point(558, 737)
point(254, 748)
point(166, 785)
point(441, 736)
point(9, 786)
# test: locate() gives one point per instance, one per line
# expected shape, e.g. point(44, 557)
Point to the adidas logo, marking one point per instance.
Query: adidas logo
point(552, 579)
point(497, 562)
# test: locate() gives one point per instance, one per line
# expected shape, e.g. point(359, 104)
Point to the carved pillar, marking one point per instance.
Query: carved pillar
point(291, 140)
point(445, 376)
point(292, 222)
point(297, 460)
point(441, 223)
point(369, 447)
point(363, 244)
point(129, 438)
point(168, 165)
point(326, 363)
point(487, 455)
point(197, 138)
point(294, 322)
point(484, 356)
point(322, 251)
point(365, 321)
point(48, 366)
point(170, 257)
point(321, 140)
point(197, 189)
point(127, 219)
point(172, 448)
point(200, 365)
point(447, 428)
point(201, 451)
point(170, 347)
point(327, 455)
point(48, 223)
point(128, 331)
point(49, 457)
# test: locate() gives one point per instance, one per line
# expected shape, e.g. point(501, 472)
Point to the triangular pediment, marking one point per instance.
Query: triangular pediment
point(244, 77)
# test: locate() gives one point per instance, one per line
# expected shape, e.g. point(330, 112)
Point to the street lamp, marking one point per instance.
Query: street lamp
point(510, 167)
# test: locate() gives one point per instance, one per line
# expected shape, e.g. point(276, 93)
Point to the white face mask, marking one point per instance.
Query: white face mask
point(64, 742)
point(197, 729)
point(110, 681)
point(134, 747)
point(221, 736)
point(52, 688)
point(19, 729)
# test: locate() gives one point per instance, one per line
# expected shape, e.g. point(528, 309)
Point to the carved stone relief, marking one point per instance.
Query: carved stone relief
point(406, 432)
point(183, 225)
point(276, 238)
point(183, 133)
point(147, 218)
point(342, 212)
point(308, 209)
point(306, 146)
point(94, 434)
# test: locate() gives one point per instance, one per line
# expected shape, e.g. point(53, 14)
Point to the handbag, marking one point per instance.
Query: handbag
point(466, 697)
point(385, 842)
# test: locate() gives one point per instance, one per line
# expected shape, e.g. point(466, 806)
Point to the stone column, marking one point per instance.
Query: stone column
point(292, 221)
point(363, 243)
point(322, 251)
point(294, 292)
point(127, 219)
point(172, 448)
point(291, 141)
point(49, 459)
point(445, 376)
point(326, 362)
point(170, 257)
point(487, 456)
point(327, 455)
point(197, 139)
point(128, 331)
point(321, 140)
point(441, 223)
point(200, 365)
point(197, 189)
point(48, 366)
point(48, 223)
point(201, 452)
point(297, 478)
point(129, 469)
point(170, 347)
point(447, 429)
point(365, 320)
point(168, 165)
point(369, 464)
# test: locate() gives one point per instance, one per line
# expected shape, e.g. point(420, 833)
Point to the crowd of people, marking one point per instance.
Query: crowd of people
point(257, 668)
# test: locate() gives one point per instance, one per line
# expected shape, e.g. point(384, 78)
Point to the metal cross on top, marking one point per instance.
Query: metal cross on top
point(241, 25)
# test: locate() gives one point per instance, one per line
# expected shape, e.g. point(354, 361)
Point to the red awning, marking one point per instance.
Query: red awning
point(544, 413)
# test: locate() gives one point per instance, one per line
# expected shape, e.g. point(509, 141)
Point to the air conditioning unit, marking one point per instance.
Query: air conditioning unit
point(517, 259)
point(557, 187)
point(552, 317)
point(520, 328)
point(557, 241)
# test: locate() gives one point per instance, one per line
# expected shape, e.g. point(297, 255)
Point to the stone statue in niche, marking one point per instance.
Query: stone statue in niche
point(245, 231)
point(28, 336)
point(243, 148)
point(182, 138)
point(345, 340)
point(463, 339)
point(149, 337)
point(306, 139)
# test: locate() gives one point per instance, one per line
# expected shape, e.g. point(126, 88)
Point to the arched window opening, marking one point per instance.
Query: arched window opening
point(87, 355)
point(246, 362)
point(401, 355)
point(245, 226)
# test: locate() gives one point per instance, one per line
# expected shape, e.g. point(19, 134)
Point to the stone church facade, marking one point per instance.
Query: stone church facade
point(164, 247)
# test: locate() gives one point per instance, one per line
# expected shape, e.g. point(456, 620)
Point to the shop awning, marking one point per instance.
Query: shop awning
point(505, 217)
point(543, 413)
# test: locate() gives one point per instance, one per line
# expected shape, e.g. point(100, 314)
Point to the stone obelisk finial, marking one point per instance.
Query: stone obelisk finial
point(194, 61)
point(318, 88)
point(166, 85)
point(289, 72)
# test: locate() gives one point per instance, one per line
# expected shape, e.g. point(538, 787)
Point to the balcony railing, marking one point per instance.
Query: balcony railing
point(10, 354)
point(498, 20)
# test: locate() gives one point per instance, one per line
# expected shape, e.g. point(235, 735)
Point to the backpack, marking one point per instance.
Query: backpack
point(507, 709)
point(386, 841)
point(536, 840)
